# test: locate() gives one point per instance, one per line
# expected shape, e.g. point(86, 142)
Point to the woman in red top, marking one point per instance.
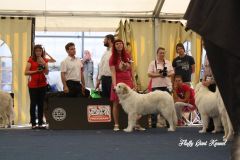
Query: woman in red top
point(36, 69)
point(120, 65)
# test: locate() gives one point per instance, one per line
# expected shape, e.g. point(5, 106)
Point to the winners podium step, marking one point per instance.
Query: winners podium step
point(83, 113)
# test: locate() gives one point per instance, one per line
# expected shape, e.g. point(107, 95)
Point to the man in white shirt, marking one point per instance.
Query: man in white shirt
point(72, 74)
point(104, 73)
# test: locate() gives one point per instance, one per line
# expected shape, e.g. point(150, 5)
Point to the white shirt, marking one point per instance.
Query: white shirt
point(72, 68)
point(104, 68)
point(159, 81)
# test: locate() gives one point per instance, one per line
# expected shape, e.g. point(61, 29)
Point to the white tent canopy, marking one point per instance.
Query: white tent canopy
point(90, 15)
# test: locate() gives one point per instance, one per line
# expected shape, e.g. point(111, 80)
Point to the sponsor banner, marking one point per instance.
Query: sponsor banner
point(99, 113)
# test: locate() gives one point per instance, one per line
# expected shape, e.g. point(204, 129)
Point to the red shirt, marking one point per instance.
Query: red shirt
point(181, 92)
point(36, 80)
point(121, 76)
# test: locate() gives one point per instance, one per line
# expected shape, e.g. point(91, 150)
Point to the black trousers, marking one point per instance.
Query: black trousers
point(37, 96)
point(106, 86)
point(224, 66)
point(154, 116)
point(75, 89)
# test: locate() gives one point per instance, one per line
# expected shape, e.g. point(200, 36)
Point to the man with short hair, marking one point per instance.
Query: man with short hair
point(183, 64)
point(72, 74)
point(104, 73)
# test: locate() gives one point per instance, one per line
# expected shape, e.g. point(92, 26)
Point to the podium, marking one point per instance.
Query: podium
point(83, 113)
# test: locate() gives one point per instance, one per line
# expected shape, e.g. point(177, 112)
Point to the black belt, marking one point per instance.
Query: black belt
point(73, 82)
point(106, 76)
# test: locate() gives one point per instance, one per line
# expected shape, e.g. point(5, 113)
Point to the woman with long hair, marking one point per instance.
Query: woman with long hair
point(36, 69)
point(120, 66)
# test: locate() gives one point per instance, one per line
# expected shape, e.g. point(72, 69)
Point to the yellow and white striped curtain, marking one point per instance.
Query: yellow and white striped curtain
point(145, 36)
point(142, 42)
point(139, 33)
point(120, 33)
point(17, 33)
point(169, 34)
point(196, 50)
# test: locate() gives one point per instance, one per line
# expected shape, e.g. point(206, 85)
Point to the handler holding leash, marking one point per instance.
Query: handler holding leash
point(120, 65)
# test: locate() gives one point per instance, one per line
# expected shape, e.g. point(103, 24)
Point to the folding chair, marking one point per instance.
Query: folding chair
point(194, 118)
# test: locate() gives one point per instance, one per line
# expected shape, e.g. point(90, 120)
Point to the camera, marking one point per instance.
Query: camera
point(41, 67)
point(163, 71)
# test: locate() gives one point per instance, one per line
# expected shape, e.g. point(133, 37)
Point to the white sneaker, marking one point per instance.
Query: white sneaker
point(116, 127)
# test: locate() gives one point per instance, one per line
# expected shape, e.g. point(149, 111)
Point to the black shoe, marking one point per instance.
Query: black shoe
point(154, 125)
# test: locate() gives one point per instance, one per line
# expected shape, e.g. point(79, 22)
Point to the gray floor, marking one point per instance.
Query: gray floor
point(153, 144)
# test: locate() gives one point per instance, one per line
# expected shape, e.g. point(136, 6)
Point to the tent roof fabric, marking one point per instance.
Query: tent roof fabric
point(52, 13)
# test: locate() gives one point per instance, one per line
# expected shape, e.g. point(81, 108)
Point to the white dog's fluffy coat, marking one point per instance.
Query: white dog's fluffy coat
point(6, 109)
point(210, 105)
point(135, 104)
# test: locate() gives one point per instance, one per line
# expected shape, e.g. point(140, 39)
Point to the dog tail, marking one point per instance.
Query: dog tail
point(182, 104)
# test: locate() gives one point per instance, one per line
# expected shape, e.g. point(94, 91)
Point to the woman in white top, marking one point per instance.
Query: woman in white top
point(161, 72)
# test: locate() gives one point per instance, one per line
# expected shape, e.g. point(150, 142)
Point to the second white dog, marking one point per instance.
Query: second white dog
point(135, 104)
point(6, 109)
point(210, 105)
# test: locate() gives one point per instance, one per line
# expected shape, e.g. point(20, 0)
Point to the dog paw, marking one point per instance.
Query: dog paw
point(202, 131)
point(127, 130)
point(214, 131)
point(171, 129)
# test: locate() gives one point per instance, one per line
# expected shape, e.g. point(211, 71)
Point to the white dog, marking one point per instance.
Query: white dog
point(6, 109)
point(206, 102)
point(210, 105)
point(135, 104)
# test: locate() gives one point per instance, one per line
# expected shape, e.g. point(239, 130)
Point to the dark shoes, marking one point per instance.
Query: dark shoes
point(38, 127)
point(41, 127)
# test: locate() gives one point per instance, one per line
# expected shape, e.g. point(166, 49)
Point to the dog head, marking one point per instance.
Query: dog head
point(197, 87)
point(200, 88)
point(122, 89)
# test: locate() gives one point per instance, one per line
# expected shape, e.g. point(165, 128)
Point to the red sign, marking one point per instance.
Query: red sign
point(99, 113)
